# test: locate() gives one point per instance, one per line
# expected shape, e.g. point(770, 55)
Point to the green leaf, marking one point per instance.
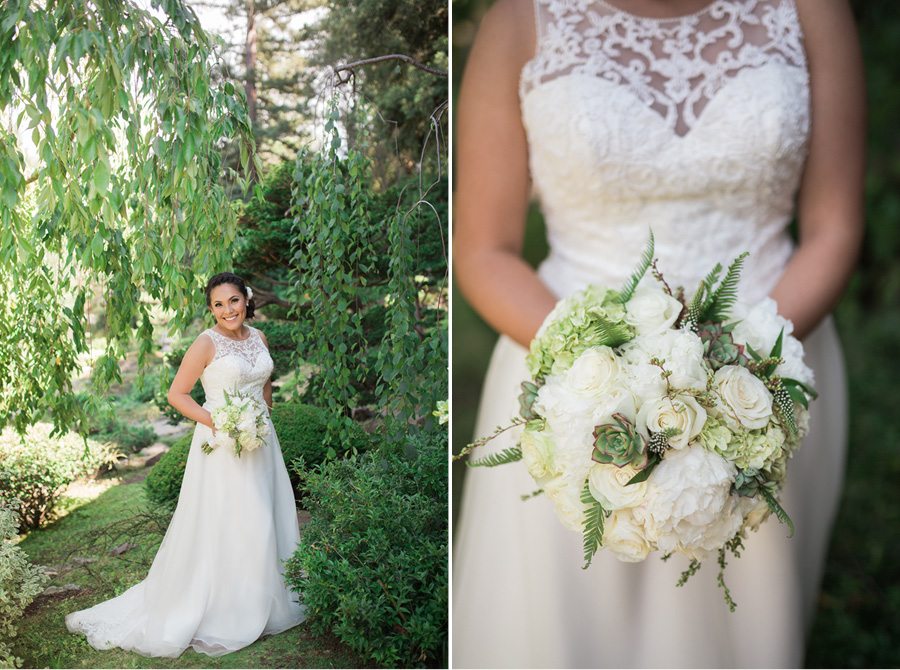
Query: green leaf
point(631, 284)
point(510, 455)
point(593, 525)
point(777, 509)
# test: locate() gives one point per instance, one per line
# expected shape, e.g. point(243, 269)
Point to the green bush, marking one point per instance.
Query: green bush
point(20, 583)
point(163, 483)
point(35, 468)
point(301, 432)
point(372, 563)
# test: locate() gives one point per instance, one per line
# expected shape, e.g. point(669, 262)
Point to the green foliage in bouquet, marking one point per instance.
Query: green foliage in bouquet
point(620, 444)
point(36, 467)
point(20, 583)
point(372, 564)
point(714, 298)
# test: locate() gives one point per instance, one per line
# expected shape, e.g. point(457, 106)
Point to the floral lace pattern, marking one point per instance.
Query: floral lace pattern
point(695, 127)
point(675, 66)
point(244, 365)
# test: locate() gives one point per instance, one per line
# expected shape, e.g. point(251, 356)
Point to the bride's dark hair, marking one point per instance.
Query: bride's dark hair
point(234, 280)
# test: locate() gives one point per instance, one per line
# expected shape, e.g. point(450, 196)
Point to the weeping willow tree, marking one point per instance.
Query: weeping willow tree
point(113, 117)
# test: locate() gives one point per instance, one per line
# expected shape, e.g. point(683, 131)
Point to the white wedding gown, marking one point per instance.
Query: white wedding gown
point(216, 583)
point(696, 127)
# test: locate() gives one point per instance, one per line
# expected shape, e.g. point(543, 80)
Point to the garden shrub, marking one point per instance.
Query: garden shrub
point(163, 483)
point(372, 563)
point(35, 468)
point(301, 431)
point(20, 583)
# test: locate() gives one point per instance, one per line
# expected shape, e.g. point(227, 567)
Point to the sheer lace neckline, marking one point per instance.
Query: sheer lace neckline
point(674, 66)
point(248, 349)
point(661, 19)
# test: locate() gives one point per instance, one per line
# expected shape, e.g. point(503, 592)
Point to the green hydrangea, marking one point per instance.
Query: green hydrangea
point(589, 318)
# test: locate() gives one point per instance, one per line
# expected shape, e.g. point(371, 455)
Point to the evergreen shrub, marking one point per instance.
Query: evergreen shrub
point(35, 468)
point(163, 483)
point(372, 563)
point(20, 583)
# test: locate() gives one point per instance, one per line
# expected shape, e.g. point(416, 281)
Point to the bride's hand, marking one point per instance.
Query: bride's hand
point(492, 179)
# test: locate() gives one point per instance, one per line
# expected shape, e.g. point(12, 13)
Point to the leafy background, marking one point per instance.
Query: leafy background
point(858, 619)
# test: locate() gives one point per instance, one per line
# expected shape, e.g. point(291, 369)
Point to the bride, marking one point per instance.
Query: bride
point(216, 584)
point(711, 123)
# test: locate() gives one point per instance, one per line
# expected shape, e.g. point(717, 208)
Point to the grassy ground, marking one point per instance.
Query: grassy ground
point(104, 516)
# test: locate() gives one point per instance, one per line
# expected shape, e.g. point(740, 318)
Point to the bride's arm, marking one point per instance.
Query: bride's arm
point(492, 180)
point(830, 202)
point(196, 358)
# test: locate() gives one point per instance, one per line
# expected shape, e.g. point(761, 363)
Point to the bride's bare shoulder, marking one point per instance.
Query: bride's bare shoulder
point(508, 32)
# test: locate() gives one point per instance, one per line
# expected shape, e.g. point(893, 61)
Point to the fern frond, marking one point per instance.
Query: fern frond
point(777, 509)
point(593, 525)
point(639, 272)
point(609, 333)
point(720, 300)
point(510, 455)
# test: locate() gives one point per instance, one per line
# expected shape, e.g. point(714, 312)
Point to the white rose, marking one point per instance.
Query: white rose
point(219, 417)
point(683, 413)
point(689, 508)
point(566, 498)
point(609, 486)
point(625, 538)
point(651, 310)
point(593, 373)
point(759, 325)
point(538, 449)
point(747, 400)
point(253, 444)
point(246, 423)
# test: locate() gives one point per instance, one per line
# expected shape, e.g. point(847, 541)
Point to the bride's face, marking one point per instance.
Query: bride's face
point(229, 306)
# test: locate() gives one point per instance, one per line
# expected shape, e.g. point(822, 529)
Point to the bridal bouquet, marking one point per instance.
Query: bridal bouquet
point(240, 423)
point(657, 423)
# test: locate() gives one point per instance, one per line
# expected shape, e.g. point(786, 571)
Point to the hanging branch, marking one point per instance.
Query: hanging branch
point(349, 67)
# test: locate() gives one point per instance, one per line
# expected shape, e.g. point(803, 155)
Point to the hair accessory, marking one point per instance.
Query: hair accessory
point(249, 292)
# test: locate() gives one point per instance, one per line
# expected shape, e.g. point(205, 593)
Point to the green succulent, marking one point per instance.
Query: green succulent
point(619, 444)
point(526, 401)
point(719, 346)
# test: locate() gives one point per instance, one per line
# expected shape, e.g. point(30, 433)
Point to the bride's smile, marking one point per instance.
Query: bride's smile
point(229, 306)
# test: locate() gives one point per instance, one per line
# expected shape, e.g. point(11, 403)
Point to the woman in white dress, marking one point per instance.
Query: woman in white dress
point(216, 583)
point(711, 123)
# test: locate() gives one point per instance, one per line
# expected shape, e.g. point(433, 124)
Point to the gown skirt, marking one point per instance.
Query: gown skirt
point(216, 584)
point(521, 598)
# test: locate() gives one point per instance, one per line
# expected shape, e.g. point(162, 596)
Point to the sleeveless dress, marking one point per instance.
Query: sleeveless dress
point(216, 583)
point(696, 127)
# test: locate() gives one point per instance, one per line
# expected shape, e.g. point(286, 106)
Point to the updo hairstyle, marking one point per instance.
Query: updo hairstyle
point(234, 280)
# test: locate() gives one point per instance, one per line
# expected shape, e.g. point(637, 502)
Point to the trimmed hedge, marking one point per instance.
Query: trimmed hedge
point(301, 431)
point(371, 566)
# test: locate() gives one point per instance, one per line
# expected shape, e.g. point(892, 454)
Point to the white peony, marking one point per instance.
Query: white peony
point(651, 310)
point(593, 373)
point(222, 439)
point(625, 538)
point(609, 486)
point(682, 354)
point(264, 428)
point(747, 400)
point(689, 508)
point(683, 413)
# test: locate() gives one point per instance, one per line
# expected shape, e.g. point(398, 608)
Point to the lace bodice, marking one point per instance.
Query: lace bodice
point(696, 127)
point(244, 365)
